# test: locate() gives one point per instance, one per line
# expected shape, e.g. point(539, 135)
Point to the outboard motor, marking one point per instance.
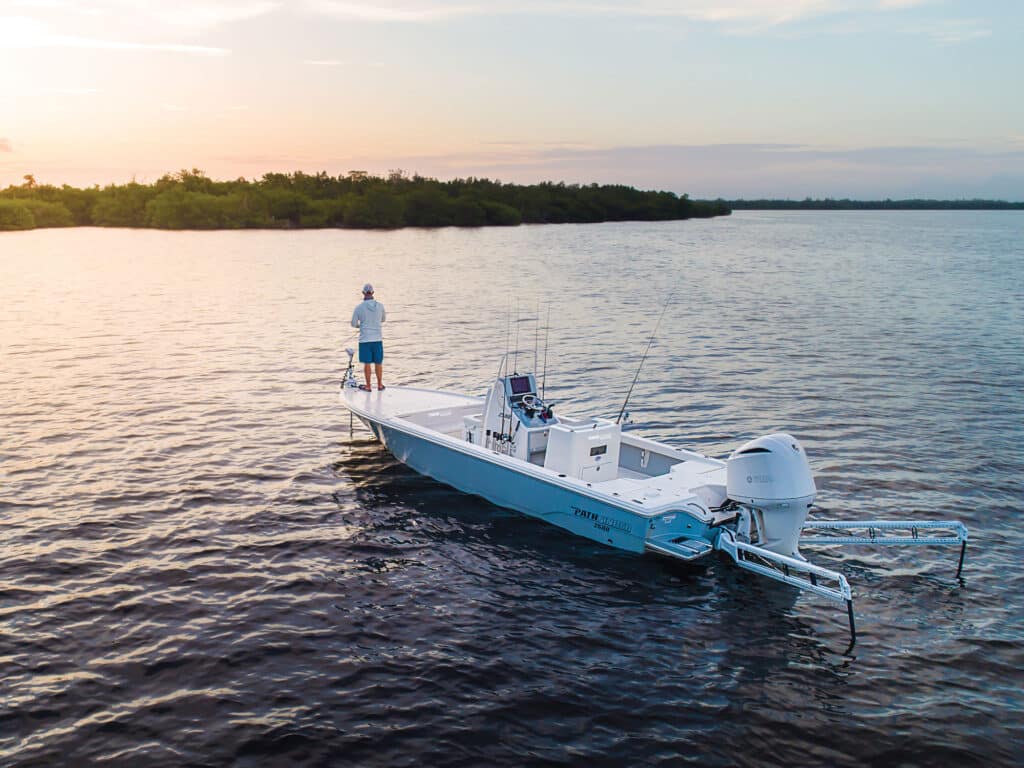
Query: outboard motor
point(771, 477)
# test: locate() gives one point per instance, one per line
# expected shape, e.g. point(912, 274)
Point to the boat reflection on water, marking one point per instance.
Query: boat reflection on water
point(525, 584)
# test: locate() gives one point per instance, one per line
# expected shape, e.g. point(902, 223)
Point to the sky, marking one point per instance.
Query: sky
point(737, 98)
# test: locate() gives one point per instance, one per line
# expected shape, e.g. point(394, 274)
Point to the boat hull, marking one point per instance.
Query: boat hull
point(505, 487)
point(583, 515)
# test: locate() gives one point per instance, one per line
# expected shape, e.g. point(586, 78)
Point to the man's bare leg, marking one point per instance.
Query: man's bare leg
point(380, 375)
point(366, 372)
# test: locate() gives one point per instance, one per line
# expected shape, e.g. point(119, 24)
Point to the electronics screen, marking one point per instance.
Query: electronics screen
point(520, 384)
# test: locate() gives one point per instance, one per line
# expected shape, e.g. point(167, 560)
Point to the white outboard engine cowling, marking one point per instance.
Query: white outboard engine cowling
point(771, 477)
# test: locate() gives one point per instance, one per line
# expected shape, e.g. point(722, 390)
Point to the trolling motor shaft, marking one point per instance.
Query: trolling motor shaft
point(349, 379)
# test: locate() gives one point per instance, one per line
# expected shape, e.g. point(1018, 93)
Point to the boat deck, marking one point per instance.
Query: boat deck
point(685, 480)
point(434, 409)
point(444, 412)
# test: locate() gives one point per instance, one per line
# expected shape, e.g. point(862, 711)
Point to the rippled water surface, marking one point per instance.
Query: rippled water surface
point(201, 566)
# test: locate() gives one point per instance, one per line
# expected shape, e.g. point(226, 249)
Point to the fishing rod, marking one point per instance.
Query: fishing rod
point(515, 350)
point(498, 442)
point(508, 327)
point(506, 438)
point(536, 335)
point(547, 331)
point(642, 359)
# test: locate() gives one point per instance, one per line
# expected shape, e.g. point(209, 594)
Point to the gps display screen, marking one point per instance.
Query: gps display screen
point(520, 385)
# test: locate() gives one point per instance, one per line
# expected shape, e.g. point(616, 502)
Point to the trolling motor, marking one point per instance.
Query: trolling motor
point(349, 379)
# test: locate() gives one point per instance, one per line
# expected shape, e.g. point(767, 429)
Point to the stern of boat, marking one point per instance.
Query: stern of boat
point(682, 534)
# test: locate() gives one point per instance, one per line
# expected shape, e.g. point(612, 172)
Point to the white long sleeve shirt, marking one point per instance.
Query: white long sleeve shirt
point(368, 318)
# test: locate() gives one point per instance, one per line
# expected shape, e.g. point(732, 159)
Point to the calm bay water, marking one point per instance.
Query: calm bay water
point(201, 566)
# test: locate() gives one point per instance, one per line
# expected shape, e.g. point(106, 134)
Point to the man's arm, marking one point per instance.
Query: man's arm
point(355, 318)
point(383, 313)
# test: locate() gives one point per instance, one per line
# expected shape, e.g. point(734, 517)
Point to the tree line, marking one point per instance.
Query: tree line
point(829, 204)
point(192, 200)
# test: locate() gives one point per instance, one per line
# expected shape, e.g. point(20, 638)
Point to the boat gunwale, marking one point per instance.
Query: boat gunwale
point(680, 504)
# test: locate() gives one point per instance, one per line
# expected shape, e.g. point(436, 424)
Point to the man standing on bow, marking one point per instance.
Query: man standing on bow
point(368, 317)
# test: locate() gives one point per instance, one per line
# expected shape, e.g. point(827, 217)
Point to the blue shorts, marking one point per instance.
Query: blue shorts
point(371, 351)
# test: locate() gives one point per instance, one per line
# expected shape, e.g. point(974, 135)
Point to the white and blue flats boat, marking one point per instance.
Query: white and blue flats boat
point(588, 476)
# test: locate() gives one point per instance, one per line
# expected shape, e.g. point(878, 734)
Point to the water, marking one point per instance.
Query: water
point(200, 566)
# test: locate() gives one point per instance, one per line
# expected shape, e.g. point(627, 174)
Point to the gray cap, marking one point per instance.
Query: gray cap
point(368, 288)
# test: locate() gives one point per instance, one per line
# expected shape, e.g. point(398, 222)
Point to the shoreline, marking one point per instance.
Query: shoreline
point(190, 200)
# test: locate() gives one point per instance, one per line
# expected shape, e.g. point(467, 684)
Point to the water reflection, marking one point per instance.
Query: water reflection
point(199, 566)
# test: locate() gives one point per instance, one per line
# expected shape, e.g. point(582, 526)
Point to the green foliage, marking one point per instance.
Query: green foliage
point(14, 214)
point(245, 208)
point(189, 199)
point(78, 201)
point(286, 207)
point(49, 214)
point(324, 213)
point(177, 208)
point(375, 210)
point(123, 206)
point(429, 207)
point(501, 215)
point(469, 213)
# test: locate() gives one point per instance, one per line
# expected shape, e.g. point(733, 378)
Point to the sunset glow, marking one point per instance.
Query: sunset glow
point(863, 98)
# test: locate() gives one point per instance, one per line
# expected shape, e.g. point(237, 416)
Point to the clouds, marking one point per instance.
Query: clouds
point(746, 17)
point(130, 25)
point(5, 145)
point(80, 91)
point(771, 12)
point(736, 16)
point(20, 32)
point(204, 14)
point(952, 31)
point(402, 12)
point(730, 171)
point(122, 25)
point(676, 94)
point(745, 170)
point(185, 14)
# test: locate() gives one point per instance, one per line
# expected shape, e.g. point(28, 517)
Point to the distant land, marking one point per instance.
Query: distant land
point(191, 200)
point(828, 204)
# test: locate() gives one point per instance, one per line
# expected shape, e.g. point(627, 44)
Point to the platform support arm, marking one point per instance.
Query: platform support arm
point(789, 570)
point(853, 627)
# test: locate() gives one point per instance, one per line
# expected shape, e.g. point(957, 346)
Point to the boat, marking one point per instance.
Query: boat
point(588, 476)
